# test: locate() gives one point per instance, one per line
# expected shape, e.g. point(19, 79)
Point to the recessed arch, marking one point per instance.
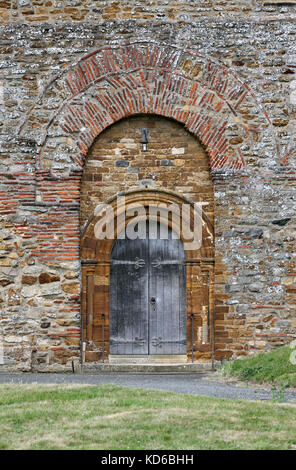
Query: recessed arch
point(94, 249)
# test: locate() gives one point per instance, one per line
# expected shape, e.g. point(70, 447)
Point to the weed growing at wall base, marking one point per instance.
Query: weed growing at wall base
point(293, 353)
point(1, 351)
point(276, 367)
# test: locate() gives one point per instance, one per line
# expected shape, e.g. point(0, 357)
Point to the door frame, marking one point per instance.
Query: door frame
point(148, 263)
point(95, 261)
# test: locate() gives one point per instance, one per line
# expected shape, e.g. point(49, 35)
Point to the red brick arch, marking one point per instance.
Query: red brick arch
point(118, 81)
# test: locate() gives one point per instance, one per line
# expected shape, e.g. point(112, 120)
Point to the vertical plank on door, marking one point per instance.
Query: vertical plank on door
point(167, 285)
point(129, 298)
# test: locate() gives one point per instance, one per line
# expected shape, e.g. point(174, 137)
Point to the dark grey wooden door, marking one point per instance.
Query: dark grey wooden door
point(167, 295)
point(129, 297)
point(148, 295)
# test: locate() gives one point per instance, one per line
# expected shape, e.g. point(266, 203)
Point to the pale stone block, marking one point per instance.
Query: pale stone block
point(178, 151)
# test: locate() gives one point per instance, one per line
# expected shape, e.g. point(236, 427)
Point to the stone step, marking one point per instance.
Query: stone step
point(148, 359)
point(189, 368)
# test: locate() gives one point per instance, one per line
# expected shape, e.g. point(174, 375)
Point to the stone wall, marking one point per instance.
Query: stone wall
point(233, 67)
point(40, 11)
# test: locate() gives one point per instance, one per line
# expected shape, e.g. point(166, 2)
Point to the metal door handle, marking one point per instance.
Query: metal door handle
point(153, 303)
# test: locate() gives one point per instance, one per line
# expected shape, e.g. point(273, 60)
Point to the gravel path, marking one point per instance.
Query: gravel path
point(194, 384)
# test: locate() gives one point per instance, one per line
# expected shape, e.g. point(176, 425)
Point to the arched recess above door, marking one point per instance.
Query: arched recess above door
point(182, 215)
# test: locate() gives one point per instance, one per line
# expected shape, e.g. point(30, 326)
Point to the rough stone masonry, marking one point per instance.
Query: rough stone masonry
point(220, 78)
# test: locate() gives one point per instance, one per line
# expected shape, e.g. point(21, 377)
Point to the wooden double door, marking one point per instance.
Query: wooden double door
point(148, 294)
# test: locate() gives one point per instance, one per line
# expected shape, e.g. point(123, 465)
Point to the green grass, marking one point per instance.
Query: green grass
point(273, 367)
point(112, 417)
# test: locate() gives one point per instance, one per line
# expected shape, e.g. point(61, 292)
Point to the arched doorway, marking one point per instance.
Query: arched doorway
point(148, 295)
point(173, 172)
point(182, 274)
